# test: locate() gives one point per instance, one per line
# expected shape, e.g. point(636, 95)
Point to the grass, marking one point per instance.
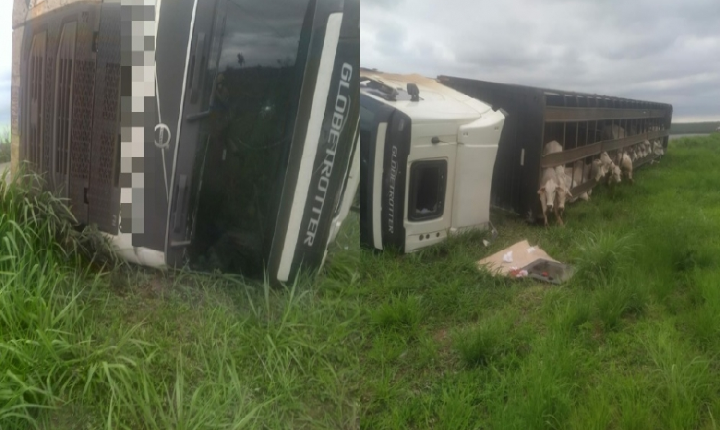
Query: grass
point(694, 127)
point(4, 145)
point(381, 341)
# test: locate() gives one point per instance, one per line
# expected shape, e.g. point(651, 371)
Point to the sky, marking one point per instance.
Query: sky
point(5, 61)
point(657, 50)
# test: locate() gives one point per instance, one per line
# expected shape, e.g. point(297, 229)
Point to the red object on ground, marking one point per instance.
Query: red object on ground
point(545, 274)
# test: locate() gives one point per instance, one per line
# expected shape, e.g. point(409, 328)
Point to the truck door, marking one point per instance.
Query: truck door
point(191, 137)
point(431, 170)
point(237, 120)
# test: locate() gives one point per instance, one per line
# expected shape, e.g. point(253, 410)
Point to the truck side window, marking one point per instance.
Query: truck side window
point(428, 180)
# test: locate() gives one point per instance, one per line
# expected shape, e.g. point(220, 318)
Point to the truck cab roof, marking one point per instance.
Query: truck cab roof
point(435, 101)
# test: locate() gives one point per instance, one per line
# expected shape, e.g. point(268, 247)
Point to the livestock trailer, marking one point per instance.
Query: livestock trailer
point(584, 124)
point(427, 157)
point(219, 134)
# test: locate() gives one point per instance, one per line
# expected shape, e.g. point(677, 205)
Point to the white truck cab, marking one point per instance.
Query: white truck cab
point(427, 159)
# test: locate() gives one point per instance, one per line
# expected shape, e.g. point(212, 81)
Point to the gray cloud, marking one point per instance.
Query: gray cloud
point(660, 50)
point(663, 50)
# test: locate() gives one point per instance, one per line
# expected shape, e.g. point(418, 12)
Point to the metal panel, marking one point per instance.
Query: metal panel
point(62, 120)
point(49, 99)
point(567, 114)
point(19, 63)
point(570, 155)
point(55, 111)
point(586, 186)
point(631, 140)
point(35, 97)
point(82, 114)
point(529, 203)
point(103, 199)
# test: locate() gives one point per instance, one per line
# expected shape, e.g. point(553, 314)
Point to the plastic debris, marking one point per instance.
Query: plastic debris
point(518, 273)
point(486, 243)
point(508, 257)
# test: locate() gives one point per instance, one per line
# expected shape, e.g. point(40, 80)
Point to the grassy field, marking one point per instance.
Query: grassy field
point(383, 341)
point(694, 127)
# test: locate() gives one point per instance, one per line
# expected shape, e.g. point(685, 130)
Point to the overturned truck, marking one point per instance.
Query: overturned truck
point(427, 157)
point(585, 125)
point(192, 132)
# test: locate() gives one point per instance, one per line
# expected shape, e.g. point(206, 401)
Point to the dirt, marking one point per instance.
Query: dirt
point(440, 335)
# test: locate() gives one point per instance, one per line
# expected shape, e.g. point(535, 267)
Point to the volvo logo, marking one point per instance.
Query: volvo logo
point(161, 130)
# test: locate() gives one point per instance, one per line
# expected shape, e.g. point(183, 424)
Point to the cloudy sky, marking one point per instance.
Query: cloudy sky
point(5, 60)
point(660, 50)
point(657, 50)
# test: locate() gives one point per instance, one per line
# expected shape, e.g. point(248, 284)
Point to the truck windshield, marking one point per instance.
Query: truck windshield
point(246, 140)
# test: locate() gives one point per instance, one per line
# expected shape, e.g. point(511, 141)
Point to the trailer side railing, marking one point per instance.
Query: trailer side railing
point(629, 122)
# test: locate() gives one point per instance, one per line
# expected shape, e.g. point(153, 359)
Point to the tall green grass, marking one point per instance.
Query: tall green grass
point(418, 341)
point(629, 342)
point(77, 352)
point(40, 285)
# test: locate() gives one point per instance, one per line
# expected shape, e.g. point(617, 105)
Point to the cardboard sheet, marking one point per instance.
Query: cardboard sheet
point(522, 255)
